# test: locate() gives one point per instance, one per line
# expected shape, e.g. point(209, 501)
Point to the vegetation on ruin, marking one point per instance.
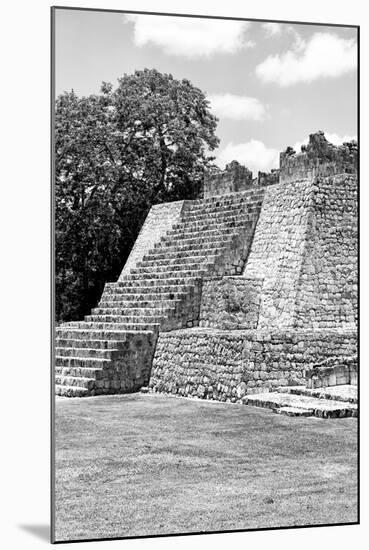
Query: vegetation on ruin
point(133, 465)
point(117, 153)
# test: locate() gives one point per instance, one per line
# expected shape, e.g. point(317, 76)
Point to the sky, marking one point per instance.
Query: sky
point(270, 84)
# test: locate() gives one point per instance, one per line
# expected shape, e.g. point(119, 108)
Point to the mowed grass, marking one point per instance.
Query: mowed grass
point(137, 464)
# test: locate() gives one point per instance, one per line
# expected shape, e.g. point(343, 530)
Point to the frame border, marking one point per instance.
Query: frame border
point(52, 271)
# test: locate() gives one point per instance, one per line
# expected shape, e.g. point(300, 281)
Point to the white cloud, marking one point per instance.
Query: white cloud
point(324, 55)
point(278, 29)
point(237, 107)
point(253, 154)
point(336, 139)
point(272, 29)
point(299, 43)
point(189, 37)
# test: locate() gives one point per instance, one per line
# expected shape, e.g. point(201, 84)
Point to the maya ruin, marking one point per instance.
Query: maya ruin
point(248, 295)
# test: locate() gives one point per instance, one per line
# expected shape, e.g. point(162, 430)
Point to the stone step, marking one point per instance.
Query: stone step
point(170, 247)
point(294, 411)
point(92, 344)
point(135, 297)
point(175, 254)
point(88, 362)
point(171, 269)
point(216, 218)
point(218, 205)
point(125, 319)
point(114, 327)
point(83, 331)
point(117, 302)
point(223, 201)
point(150, 292)
point(70, 391)
point(90, 353)
point(322, 408)
point(79, 381)
point(200, 239)
point(177, 283)
point(222, 211)
point(176, 263)
point(345, 393)
point(84, 372)
point(219, 213)
point(224, 229)
point(158, 310)
point(208, 223)
point(139, 276)
point(188, 229)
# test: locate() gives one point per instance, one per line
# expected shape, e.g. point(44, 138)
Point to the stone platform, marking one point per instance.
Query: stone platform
point(333, 402)
point(226, 365)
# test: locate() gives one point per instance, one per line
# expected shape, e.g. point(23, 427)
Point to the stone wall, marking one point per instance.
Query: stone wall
point(226, 365)
point(187, 309)
point(319, 157)
point(125, 369)
point(277, 251)
point(333, 371)
point(305, 248)
point(267, 178)
point(132, 370)
point(327, 286)
point(159, 221)
point(230, 303)
point(235, 178)
point(233, 260)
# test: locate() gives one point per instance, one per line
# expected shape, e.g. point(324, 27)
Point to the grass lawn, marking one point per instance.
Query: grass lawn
point(137, 464)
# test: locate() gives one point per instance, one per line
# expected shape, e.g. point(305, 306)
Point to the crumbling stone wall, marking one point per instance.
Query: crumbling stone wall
point(226, 365)
point(267, 178)
point(234, 178)
point(319, 157)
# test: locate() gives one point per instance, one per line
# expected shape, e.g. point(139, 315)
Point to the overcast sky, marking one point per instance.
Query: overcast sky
point(270, 84)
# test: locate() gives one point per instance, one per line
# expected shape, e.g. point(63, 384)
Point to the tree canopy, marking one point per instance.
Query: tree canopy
point(118, 152)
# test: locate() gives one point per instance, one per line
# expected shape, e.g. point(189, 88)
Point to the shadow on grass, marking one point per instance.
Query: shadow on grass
point(42, 532)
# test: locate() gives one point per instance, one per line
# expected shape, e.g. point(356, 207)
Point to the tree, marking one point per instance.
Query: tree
point(117, 153)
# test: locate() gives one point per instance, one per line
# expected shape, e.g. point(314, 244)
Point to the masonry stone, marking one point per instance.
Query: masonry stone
point(234, 178)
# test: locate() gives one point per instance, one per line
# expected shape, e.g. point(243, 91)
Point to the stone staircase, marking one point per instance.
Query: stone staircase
point(111, 350)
